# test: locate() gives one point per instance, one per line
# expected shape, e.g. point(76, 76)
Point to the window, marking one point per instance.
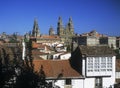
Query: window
point(90, 64)
point(68, 82)
point(97, 64)
point(103, 64)
point(109, 64)
point(98, 82)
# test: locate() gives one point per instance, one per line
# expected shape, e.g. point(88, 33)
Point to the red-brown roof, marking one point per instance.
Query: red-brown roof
point(118, 65)
point(46, 37)
point(34, 45)
point(50, 37)
point(53, 68)
point(36, 52)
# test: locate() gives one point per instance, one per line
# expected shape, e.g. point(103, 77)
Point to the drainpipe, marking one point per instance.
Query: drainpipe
point(83, 65)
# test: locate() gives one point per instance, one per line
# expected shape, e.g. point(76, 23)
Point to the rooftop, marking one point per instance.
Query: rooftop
point(96, 50)
point(53, 68)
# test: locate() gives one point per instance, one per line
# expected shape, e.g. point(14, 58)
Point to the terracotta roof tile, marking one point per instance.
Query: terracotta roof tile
point(36, 52)
point(34, 45)
point(118, 65)
point(53, 68)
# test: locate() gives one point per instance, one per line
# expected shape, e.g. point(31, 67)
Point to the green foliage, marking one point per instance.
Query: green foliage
point(68, 48)
point(117, 54)
point(26, 40)
point(13, 41)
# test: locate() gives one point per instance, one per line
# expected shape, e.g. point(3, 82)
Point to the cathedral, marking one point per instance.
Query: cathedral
point(36, 30)
point(64, 33)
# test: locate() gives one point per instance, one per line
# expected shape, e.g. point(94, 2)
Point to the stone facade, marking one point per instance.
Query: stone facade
point(36, 30)
point(51, 31)
point(94, 38)
point(66, 33)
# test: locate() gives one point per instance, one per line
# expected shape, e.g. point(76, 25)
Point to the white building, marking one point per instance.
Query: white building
point(61, 56)
point(96, 64)
point(56, 56)
point(65, 56)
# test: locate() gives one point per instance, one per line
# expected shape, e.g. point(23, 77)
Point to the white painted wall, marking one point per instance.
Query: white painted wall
point(65, 56)
point(60, 83)
point(108, 81)
point(23, 50)
point(83, 83)
point(78, 83)
point(43, 56)
point(111, 80)
point(87, 83)
point(55, 56)
point(117, 75)
point(90, 82)
point(112, 41)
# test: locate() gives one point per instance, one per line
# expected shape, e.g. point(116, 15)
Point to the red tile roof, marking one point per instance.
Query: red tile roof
point(36, 52)
point(34, 45)
point(118, 65)
point(53, 68)
point(47, 37)
point(50, 37)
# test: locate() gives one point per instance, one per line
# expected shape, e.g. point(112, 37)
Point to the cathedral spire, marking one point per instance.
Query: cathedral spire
point(70, 22)
point(60, 28)
point(70, 25)
point(51, 31)
point(36, 30)
point(60, 21)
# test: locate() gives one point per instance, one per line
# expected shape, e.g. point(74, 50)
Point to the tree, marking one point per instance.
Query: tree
point(117, 51)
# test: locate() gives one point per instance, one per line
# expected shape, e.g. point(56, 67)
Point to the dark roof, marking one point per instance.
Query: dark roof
point(96, 50)
point(52, 68)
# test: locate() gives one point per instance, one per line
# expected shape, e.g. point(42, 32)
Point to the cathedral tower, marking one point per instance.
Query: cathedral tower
point(70, 26)
point(51, 31)
point(60, 29)
point(36, 30)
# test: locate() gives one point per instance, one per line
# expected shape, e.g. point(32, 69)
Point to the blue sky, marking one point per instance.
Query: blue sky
point(101, 15)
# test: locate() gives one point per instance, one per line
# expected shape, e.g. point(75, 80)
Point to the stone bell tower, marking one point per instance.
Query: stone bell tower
point(36, 30)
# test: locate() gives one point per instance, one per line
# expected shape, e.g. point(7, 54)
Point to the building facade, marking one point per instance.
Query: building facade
point(66, 33)
point(63, 35)
point(94, 39)
point(96, 64)
point(36, 30)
